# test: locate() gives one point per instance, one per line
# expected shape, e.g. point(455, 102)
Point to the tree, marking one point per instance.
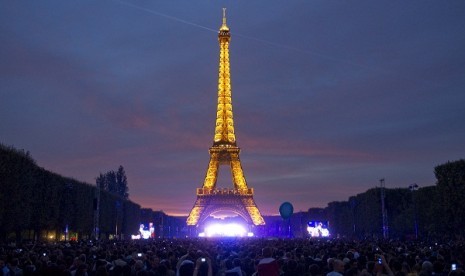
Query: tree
point(110, 182)
point(100, 182)
point(339, 215)
point(430, 212)
point(17, 171)
point(451, 186)
point(114, 182)
point(402, 204)
point(122, 183)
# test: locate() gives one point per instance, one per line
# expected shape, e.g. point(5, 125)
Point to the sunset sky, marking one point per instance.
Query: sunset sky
point(328, 96)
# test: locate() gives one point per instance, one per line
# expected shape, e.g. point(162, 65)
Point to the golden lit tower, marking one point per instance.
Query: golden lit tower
point(224, 151)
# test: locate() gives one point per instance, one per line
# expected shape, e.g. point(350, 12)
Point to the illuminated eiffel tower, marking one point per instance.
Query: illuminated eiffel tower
point(224, 151)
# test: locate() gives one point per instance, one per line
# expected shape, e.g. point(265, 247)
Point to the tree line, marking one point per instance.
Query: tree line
point(34, 200)
point(413, 212)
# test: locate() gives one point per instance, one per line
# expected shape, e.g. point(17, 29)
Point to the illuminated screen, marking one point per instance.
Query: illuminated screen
point(318, 229)
point(145, 232)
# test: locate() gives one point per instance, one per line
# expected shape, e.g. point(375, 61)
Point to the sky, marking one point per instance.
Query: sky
point(328, 96)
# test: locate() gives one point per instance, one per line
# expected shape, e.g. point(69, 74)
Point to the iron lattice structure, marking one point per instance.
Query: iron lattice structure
point(224, 151)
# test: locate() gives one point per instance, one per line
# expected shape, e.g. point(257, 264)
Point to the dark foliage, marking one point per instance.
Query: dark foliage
point(451, 190)
point(431, 211)
point(114, 182)
point(34, 199)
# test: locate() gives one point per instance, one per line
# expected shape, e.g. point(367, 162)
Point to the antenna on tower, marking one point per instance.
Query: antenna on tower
point(224, 16)
point(224, 27)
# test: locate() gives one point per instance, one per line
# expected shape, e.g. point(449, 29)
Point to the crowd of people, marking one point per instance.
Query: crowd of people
point(238, 257)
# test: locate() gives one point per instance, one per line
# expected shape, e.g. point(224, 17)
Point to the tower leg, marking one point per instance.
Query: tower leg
point(196, 212)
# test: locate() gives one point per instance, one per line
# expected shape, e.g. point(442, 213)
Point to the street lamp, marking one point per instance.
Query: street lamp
point(413, 187)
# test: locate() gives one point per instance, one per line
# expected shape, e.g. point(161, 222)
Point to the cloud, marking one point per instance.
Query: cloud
point(328, 97)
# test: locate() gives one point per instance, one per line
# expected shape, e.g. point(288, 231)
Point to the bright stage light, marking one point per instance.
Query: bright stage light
point(225, 230)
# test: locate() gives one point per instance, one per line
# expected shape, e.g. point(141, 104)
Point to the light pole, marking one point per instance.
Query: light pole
point(383, 211)
point(97, 212)
point(413, 187)
point(353, 203)
point(116, 221)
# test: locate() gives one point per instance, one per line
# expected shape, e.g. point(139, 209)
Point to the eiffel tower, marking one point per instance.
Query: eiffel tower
point(224, 151)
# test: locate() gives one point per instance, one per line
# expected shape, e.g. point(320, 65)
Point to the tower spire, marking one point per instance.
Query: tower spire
point(224, 125)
